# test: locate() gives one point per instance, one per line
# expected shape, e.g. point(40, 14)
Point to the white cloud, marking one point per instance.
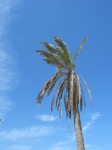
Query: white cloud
point(31, 132)
point(46, 117)
point(8, 75)
point(62, 148)
point(89, 123)
point(64, 145)
point(96, 116)
point(19, 147)
point(5, 10)
point(5, 105)
point(7, 64)
point(87, 146)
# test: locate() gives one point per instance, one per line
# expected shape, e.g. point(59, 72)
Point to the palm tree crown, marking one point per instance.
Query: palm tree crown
point(69, 87)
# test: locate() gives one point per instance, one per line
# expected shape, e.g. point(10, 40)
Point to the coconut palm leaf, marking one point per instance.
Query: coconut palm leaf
point(79, 49)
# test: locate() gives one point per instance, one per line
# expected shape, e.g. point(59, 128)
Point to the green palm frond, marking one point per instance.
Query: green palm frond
point(61, 44)
point(57, 55)
point(63, 51)
point(50, 48)
point(87, 89)
point(52, 59)
point(79, 49)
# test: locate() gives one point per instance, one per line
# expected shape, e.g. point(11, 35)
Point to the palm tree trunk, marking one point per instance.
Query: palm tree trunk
point(78, 130)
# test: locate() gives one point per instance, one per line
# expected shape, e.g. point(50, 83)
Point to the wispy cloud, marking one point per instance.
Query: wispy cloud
point(5, 105)
point(5, 10)
point(62, 148)
point(46, 117)
point(87, 146)
point(31, 132)
point(65, 144)
point(7, 64)
point(19, 147)
point(8, 75)
point(89, 123)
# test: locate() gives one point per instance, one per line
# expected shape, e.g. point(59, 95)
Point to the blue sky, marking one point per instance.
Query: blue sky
point(23, 24)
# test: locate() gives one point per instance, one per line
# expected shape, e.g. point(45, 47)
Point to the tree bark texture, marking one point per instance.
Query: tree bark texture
point(78, 130)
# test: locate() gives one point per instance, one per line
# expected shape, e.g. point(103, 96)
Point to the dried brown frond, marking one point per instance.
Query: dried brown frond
point(83, 97)
point(87, 89)
point(54, 79)
point(60, 110)
point(79, 49)
point(46, 87)
point(42, 92)
point(60, 89)
point(53, 99)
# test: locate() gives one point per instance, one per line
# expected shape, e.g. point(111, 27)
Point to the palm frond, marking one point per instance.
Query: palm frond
point(42, 92)
point(87, 89)
point(69, 127)
point(61, 44)
point(53, 99)
point(66, 104)
point(52, 59)
point(83, 96)
point(81, 104)
point(60, 109)
point(65, 55)
point(46, 86)
point(49, 47)
point(60, 90)
point(54, 79)
point(79, 49)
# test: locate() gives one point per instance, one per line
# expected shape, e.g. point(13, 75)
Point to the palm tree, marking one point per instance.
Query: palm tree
point(69, 88)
